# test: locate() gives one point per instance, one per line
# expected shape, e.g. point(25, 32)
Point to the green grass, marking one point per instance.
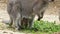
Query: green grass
point(45, 26)
point(39, 27)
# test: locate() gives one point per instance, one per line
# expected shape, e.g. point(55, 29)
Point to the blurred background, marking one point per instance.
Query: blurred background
point(51, 14)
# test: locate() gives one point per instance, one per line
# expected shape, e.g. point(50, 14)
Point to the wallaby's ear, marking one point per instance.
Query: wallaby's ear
point(49, 0)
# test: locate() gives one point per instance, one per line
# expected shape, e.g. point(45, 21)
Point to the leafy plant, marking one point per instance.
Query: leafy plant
point(45, 26)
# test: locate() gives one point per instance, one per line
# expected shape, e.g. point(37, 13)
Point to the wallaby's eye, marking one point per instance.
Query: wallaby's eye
point(51, 0)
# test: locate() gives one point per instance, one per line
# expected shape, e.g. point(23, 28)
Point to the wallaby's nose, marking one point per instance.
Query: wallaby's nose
point(52, 0)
